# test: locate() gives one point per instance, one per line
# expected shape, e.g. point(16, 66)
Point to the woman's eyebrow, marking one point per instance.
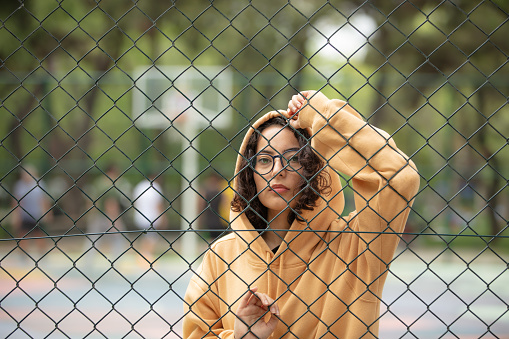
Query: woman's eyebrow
point(273, 151)
point(267, 150)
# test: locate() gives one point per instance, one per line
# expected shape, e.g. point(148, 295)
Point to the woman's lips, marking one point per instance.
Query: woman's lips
point(279, 188)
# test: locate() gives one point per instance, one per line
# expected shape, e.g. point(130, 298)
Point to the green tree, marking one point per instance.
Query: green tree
point(450, 59)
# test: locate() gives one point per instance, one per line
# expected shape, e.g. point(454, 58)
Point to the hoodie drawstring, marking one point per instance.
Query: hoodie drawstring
point(280, 271)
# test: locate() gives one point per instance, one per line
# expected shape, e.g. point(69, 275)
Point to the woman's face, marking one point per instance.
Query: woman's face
point(278, 187)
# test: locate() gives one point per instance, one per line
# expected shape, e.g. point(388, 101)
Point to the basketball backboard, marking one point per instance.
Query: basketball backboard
point(168, 95)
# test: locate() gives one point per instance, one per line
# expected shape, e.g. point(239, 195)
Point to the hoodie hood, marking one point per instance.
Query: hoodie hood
point(303, 237)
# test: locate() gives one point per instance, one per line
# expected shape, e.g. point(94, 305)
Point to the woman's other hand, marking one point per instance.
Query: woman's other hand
point(254, 308)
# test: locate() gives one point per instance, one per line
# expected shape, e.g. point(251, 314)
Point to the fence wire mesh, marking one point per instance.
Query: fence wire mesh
point(121, 122)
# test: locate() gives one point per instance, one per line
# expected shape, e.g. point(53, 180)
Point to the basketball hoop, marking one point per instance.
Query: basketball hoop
point(188, 100)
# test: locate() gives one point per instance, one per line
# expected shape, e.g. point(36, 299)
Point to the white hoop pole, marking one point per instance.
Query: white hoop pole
point(189, 200)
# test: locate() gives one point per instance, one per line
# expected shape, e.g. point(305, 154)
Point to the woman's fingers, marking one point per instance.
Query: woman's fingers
point(247, 297)
point(268, 303)
point(262, 300)
point(296, 103)
point(252, 297)
point(274, 309)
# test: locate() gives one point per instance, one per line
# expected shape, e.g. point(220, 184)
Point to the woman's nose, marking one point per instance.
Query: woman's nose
point(278, 166)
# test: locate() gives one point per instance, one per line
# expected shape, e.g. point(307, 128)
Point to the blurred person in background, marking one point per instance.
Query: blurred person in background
point(295, 265)
point(32, 208)
point(148, 203)
point(110, 198)
point(214, 205)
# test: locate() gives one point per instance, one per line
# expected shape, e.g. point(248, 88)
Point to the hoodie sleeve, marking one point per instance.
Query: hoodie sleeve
point(383, 179)
point(202, 318)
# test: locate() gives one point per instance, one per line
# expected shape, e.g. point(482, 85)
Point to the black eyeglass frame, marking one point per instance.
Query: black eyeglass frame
point(287, 167)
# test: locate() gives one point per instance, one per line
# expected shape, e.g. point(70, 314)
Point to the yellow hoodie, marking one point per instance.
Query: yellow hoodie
point(328, 274)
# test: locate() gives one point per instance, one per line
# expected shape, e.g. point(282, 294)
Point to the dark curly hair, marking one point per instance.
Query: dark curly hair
point(315, 182)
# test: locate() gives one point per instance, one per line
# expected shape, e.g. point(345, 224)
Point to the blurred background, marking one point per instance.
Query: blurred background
point(106, 103)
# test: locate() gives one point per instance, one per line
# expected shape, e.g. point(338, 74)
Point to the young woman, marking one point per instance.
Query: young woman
point(294, 267)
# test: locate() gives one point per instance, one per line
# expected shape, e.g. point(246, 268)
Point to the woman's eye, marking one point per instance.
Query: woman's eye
point(264, 160)
point(294, 159)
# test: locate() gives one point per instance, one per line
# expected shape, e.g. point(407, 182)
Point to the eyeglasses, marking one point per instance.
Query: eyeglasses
point(264, 163)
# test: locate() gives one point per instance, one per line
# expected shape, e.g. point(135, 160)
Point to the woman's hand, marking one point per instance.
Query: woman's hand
point(313, 98)
point(254, 307)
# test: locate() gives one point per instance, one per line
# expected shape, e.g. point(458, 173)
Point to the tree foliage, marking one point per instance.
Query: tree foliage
point(433, 73)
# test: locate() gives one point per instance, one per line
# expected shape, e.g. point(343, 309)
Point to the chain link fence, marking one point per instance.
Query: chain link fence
point(121, 122)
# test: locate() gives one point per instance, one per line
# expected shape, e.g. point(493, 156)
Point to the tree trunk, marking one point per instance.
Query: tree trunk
point(22, 113)
point(494, 181)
